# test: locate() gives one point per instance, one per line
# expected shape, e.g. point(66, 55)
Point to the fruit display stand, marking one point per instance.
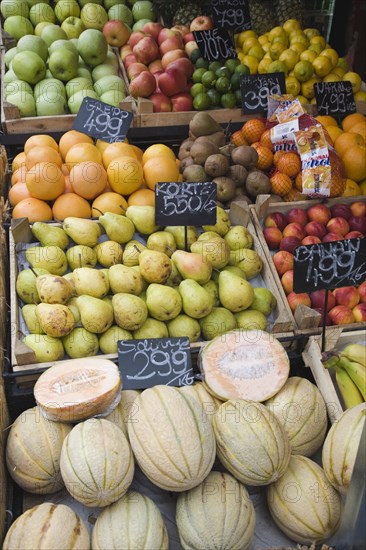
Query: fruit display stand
point(306, 319)
point(336, 340)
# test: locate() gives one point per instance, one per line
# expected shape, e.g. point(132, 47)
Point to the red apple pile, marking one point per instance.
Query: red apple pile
point(319, 223)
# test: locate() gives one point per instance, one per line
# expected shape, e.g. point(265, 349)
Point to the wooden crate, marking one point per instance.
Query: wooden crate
point(336, 340)
point(305, 318)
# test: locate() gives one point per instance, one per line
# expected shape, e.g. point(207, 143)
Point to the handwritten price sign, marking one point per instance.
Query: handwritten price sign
point(334, 98)
point(152, 361)
point(102, 121)
point(215, 44)
point(231, 14)
point(255, 90)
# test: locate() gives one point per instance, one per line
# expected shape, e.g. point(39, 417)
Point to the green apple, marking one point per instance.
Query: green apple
point(18, 26)
point(73, 26)
point(66, 8)
point(121, 12)
point(49, 86)
point(74, 41)
point(29, 66)
point(39, 28)
point(139, 25)
point(85, 73)
point(51, 32)
point(33, 2)
point(17, 86)
point(94, 16)
point(93, 47)
point(48, 74)
point(104, 69)
point(76, 100)
point(47, 105)
point(63, 44)
point(109, 83)
point(41, 12)
point(112, 97)
point(9, 8)
point(83, 3)
point(9, 76)
point(109, 3)
point(143, 9)
point(63, 64)
point(78, 83)
point(9, 56)
point(111, 59)
point(35, 44)
point(25, 103)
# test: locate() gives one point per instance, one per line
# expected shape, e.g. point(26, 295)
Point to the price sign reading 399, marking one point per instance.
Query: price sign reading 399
point(255, 90)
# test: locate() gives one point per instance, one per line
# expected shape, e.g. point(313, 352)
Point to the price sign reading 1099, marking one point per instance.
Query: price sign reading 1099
point(185, 203)
point(255, 90)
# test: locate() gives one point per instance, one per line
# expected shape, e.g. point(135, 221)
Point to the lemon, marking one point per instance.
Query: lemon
point(277, 67)
point(317, 39)
point(249, 43)
point(339, 71)
point(332, 77)
point(263, 39)
point(244, 35)
point(332, 55)
point(316, 48)
point(266, 46)
point(322, 65)
point(308, 55)
point(241, 57)
point(293, 86)
point(257, 51)
point(354, 79)
point(360, 95)
point(267, 55)
point(311, 32)
point(299, 38)
point(276, 32)
point(282, 39)
point(352, 189)
point(302, 99)
point(291, 25)
point(263, 65)
point(307, 88)
point(303, 70)
point(251, 62)
point(298, 47)
point(290, 58)
point(276, 49)
point(343, 63)
point(291, 73)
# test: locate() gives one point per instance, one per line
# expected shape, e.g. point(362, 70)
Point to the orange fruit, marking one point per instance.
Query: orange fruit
point(18, 175)
point(276, 156)
point(253, 130)
point(281, 184)
point(237, 138)
point(45, 181)
point(160, 169)
point(43, 153)
point(346, 141)
point(33, 209)
point(337, 184)
point(109, 202)
point(18, 192)
point(71, 138)
point(88, 179)
point(298, 181)
point(352, 189)
point(138, 152)
point(18, 161)
point(81, 152)
point(326, 120)
point(294, 195)
point(157, 150)
point(70, 204)
point(351, 120)
point(355, 162)
point(359, 128)
point(125, 175)
point(115, 150)
point(101, 145)
point(40, 140)
point(289, 164)
point(334, 132)
point(265, 156)
point(142, 197)
point(266, 140)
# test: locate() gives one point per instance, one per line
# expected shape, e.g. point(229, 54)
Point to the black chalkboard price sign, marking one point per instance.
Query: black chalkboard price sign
point(334, 98)
point(152, 361)
point(232, 15)
point(255, 90)
point(185, 203)
point(329, 265)
point(102, 121)
point(215, 44)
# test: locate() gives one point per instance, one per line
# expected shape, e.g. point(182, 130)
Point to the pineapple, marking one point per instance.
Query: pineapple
point(182, 15)
point(261, 15)
point(186, 13)
point(289, 9)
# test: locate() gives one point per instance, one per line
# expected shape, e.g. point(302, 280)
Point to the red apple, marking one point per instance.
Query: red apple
point(317, 299)
point(146, 50)
point(188, 37)
point(171, 56)
point(319, 213)
point(190, 46)
point(330, 237)
point(124, 51)
point(116, 32)
point(289, 244)
point(287, 281)
point(183, 64)
point(295, 299)
point(358, 208)
point(359, 313)
point(153, 29)
point(341, 211)
point(143, 85)
point(276, 219)
point(135, 37)
point(354, 235)
point(135, 69)
point(201, 23)
point(155, 66)
point(172, 82)
point(358, 223)
point(347, 296)
point(182, 102)
point(273, 237)
point(297, 215)
point(283, 261)
point(172, 43)
point(315, 229)
point(161, 103)
point(328, 320)
point(130, 59)
point(164, 34)
point(294, 230)
point(362, 292)
point(310, 239)
point(182, 29)
point(338, 225)
point(341, 315)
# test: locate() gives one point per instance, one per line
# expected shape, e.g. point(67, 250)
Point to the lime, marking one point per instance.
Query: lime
point(214, 97)
point(201, 102)
point(277, 67)
point(238, 98)
point(201, 63)
point(235, 81)
point(223, 71)
point(303, 70)
point(242, 69)
point(197, 75)
point(214, 65)
point(231, 64)
point(223, 84)
point(195, 54)
point(228, 100)
point(208, 79)
point(197, 88)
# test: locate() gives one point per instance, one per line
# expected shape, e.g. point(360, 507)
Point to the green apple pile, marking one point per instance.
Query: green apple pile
point(84, 291)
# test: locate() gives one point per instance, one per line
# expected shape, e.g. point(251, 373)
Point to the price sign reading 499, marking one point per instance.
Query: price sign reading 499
point(255, 90)
point(215, 44)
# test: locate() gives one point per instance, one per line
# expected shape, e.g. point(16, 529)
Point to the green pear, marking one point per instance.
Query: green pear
point(55, 319)
point(26, 286)
point(250, 319)
point(218, 321)
point(81, 256)
point(130, 312)
point(152, 328)
point(70, 279)
point(213, 290)
point(214, 250)
point(89, 281)
point(192, 266)
point(238, 237)
point(163, 302)
point(109, 253)
point(197, 302)
point(155, 267)
point(145, 284)
point(131, 253)
point(48, 235)
point(178, 232)
point(81, 343)
point(82, 231)
point(248, 260)
point(143, 218)
point(232, 268)
point(118, 227)
point(96, 315)
point(183, 325)
point(54, 289)
point(52, 258)
point(208, 236)
point(31, 319)
point(175, 277)
point(108, 341)
point(105, 270)
point(235, 293)
point(125, 279)
point(264, 301)
point(222, 224)
point(72, 304)
point(162, 241)
point(45, 347)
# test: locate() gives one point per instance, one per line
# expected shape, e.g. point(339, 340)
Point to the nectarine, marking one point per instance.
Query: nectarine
point(347, 296)
point(297, 215)
point(295, 299)
point(273, 237)
point(338, 225)
point(315, 229)
point(294, 230)
point(283, 261)
point(341, 315)
point(319, 213)
point(276, 219)
point(358, 208)
point(289, 244)
point(287, 281)
point(317, 299)
point(359, 313)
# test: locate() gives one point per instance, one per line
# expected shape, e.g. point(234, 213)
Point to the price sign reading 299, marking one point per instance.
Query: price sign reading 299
point(102, 121)
point(185, 203)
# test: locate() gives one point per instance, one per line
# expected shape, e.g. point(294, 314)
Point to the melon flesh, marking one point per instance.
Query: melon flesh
point(250, 365)
point(76, 390)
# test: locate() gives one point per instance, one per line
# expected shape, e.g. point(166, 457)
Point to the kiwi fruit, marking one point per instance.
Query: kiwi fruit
point(217, 165)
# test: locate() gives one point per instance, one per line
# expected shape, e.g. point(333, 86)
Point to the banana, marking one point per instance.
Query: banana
point(355, 371)
point(355, 352)
point(348, 389)
point(331, 362)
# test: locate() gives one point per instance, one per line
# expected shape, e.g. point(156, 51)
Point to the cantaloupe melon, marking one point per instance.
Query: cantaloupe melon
point(75, 390)
point(239, 364)
point(97, 464)
point(251, 443)
point(33, 452)
point(341, 446)
point(133, 522)
point(125, 410)
point(300, 408)
point(303, 503)
point(218, 514)
point(172, 442)
point(208, 402)
point(48, 527)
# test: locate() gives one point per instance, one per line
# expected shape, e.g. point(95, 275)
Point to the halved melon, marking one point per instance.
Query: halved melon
point(240, 364)
point(78, 389)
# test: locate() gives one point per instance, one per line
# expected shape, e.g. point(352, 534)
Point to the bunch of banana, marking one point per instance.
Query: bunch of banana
point(350, 373)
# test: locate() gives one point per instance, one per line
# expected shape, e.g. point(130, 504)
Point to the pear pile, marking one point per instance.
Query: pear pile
point(85, 289)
